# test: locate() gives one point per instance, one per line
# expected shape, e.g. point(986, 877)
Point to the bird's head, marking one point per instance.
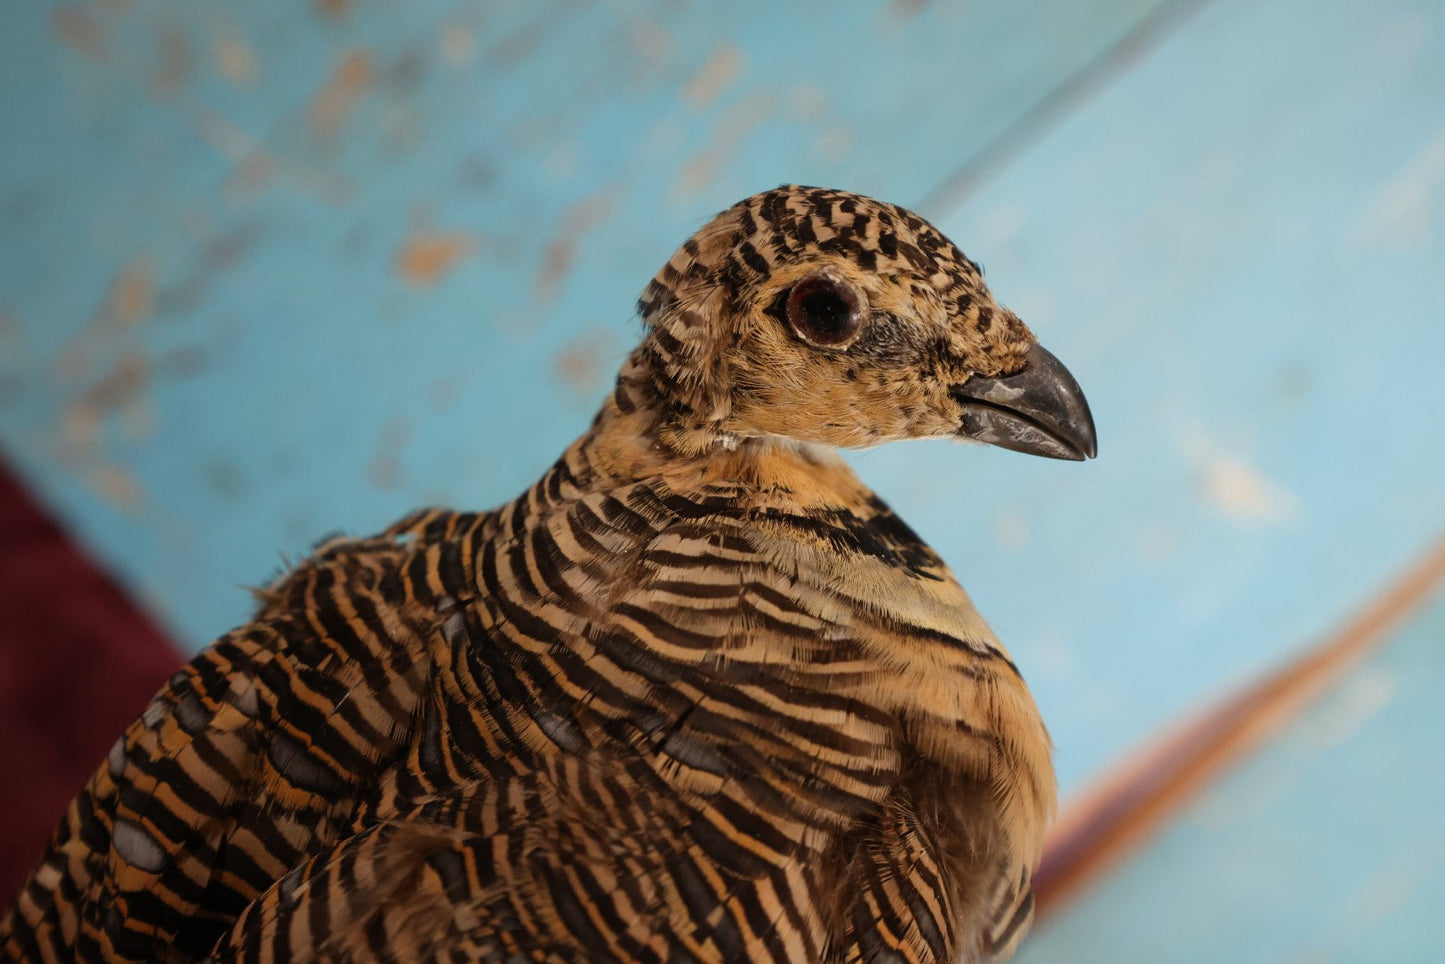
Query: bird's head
point(824, 316)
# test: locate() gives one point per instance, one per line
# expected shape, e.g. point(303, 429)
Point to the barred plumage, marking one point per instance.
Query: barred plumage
point(696, 695)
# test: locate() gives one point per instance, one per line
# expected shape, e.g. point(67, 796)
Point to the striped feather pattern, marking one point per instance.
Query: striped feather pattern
point(679, 701)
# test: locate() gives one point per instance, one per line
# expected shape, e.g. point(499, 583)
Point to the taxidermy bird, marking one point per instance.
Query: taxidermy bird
point(697, 695)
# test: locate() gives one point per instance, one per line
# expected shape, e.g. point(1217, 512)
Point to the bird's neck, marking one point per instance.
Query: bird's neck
point(641, 434)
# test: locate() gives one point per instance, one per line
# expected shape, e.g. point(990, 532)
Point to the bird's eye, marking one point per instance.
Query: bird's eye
point(824, 311)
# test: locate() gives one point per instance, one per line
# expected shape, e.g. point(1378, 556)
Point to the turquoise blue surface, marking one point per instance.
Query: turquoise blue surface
point(1325, 848)
point(270, 270)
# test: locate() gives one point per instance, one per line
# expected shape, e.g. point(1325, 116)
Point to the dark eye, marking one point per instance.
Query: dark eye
point(824, 311)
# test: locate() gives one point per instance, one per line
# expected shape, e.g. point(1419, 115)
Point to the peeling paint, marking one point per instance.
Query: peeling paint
point(383, 469)
point(732, 128)
point(649, 40)
point(577, 220)
point(341, 92)
point(584, 363)
point(458, 44)
point(79, 30)
point(116, 486)
point(130, 299)
point(175, 60)
point(721, 69)
point(1239, 491)
point(234, 58)
point(429, 256)
point(442, 393)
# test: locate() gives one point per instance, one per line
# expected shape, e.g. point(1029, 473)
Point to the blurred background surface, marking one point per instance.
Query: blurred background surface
point(269, 271)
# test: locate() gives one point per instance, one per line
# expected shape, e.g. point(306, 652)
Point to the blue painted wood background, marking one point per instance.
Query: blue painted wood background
point(271, 270)
point(1326, 847)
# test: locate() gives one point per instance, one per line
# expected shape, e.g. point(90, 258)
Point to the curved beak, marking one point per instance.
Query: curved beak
point(1039, 410)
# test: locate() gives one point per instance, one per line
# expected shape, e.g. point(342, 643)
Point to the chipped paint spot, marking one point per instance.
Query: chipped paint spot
point(476, 171)
point(1237, 490)
point(129, 300)
point(175, 57)
point(649, 40)
point(1010, 532)
point(234, 58)
point(226, 478)
point(458, 44)
point(132, 294)
point(585, 362)
point(79, 30)
point(718, 72)
point(122, 387)
point(395, 433)
point(334, 9)
point(834, 144)
point(116, 486)
point(383, 470)
point(577, 220)
point(512, 50)
point(252, 173)
point(735, 125)
point(443, 393)
point(807, 103)
point(429, 256)
point(340, 94)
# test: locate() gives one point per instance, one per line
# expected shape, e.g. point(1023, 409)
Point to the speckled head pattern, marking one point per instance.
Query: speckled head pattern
point(725, 361)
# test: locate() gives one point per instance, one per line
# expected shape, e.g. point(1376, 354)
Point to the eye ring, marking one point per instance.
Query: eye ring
point(824, 310)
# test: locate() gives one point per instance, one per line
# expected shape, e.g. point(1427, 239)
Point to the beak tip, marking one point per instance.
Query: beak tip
point(1039, 410)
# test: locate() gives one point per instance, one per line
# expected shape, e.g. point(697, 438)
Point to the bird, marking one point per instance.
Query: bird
point(696, 695)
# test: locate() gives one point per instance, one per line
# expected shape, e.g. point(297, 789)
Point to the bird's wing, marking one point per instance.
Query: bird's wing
point(252, 757)
point(576, 860)
point(931, 878)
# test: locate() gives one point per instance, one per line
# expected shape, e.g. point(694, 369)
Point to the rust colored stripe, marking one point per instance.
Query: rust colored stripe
point(1125, 807)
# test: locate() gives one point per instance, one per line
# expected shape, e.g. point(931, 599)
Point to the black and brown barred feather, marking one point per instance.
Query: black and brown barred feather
point(697, 695)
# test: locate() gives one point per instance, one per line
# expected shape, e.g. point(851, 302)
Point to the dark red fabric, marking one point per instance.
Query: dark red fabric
point(78, 661)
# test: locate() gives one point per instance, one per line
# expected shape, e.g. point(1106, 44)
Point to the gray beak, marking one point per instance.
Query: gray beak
point(1039, 410)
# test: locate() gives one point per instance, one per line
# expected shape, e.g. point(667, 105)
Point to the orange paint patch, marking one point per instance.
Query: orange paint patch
point(729, 133)
point(117, 487)
point(79, 30)
point(339, 95)
point(718, 72)
point(577, 220)
point(458, 44)
point(122, 387)
point(234, 59)
point(252, 174)
point(333, 8)
point(175, 55)
point(583, 363)
point(429, 256)
point(132, 294)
